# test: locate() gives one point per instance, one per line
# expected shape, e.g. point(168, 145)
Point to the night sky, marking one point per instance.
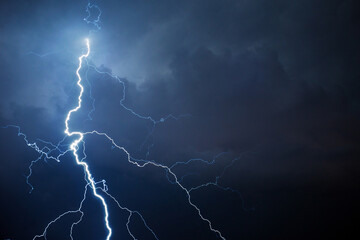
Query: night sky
point(266, 93)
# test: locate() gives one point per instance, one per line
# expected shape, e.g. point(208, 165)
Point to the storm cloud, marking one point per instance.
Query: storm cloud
point(276, 82)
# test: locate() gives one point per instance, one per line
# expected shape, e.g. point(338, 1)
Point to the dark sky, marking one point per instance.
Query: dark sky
point(274, 83)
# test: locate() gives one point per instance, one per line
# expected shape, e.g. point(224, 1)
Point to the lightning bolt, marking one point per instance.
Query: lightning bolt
point(99, 189)
point(74, 146)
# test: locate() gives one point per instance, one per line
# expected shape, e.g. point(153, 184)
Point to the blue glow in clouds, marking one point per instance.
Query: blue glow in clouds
point(99, 188)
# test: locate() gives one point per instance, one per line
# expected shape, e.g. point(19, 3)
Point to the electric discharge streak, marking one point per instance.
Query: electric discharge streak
point(74, 146)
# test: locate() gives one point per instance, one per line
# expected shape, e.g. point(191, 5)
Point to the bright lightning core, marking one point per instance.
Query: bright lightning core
point(74, 146)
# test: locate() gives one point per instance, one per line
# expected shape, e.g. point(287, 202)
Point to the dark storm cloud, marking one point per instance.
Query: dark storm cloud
point(272, 77)
point(276, 77)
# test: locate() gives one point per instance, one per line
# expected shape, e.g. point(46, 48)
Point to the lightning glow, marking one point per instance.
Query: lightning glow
point(74, 146)
point(99, 189)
